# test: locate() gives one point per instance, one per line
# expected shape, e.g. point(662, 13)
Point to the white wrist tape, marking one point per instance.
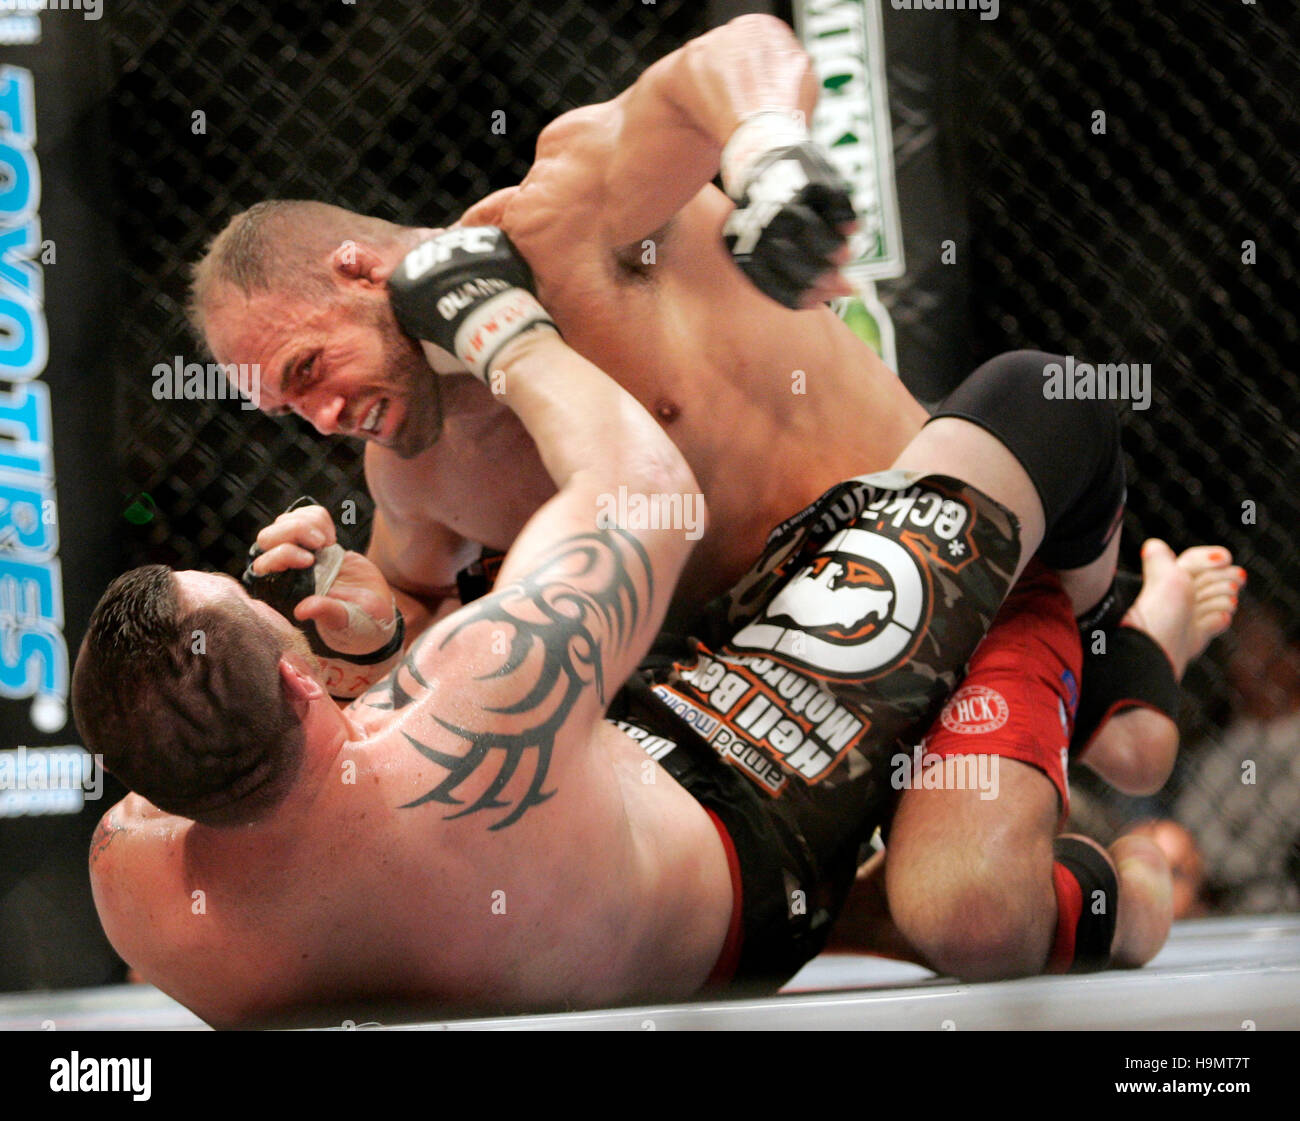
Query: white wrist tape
point(494, 323)
point(328, 562)
point(346, 678)
point(758, 133)
point(326, 569)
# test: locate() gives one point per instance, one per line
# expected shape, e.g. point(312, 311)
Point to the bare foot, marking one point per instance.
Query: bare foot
point(1218, 583)
point(1186, 601)
point(1145, 910)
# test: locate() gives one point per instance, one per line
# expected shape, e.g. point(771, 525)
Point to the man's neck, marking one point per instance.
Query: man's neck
point(472, 413)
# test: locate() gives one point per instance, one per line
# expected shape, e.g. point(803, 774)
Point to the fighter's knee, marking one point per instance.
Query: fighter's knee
point(1135, 751)
point(980, 927)
point(975, 937)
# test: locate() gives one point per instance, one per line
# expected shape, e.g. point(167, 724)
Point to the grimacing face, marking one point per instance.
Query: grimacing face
point(341, 363)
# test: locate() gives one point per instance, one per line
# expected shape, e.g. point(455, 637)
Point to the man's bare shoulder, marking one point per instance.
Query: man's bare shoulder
point(569, 163)
point(131, 820)
point(174, 929)
point(134, 858)
point(135, 852)
point(581, 131)
point(566, 184)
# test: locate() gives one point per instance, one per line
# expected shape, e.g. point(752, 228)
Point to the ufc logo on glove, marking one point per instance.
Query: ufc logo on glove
point(438, 251)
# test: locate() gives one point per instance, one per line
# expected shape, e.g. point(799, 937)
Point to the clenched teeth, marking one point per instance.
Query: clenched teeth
point(375, 416)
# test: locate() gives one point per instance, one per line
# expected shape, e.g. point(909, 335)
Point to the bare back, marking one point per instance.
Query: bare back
point(357, 898)
point(470, 832)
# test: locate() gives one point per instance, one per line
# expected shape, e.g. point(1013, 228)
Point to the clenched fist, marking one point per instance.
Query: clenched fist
point(338, 598)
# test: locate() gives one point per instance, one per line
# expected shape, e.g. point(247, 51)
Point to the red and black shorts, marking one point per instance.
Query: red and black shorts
point(823, 666)
point(1021, 690)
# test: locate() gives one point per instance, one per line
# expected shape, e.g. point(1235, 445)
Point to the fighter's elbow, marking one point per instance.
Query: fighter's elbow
point(733, 52)
point(665, 478)
point(668, 473)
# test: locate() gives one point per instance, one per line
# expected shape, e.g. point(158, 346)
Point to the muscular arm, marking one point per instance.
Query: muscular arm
point(635, 161)
point(594, 438)
point(520, 678)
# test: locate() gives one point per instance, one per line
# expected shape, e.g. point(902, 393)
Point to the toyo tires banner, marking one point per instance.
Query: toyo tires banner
point(56, 477)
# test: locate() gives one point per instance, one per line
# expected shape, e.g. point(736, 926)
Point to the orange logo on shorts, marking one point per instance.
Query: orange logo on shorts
point(974, 709)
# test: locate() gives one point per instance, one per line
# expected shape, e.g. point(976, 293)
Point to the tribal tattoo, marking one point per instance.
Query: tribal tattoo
point(548, 636)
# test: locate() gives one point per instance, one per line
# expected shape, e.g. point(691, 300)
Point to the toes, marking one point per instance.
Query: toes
point(1214, 620)
point(1211, 587)
point(1163, 576)
point(1201, 558)
point(1157, 557)
point(1215, 616)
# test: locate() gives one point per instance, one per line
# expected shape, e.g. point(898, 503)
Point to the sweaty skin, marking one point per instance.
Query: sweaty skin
point(612, 889)
point(770, 406)
point(470, 831)
point(456, 836)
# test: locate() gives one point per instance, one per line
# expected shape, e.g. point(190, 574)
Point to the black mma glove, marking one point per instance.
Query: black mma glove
point(468, 292)
point(348, 674)
point(790, 205)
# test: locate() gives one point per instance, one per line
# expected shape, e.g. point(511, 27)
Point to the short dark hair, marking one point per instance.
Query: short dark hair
point(280, 244)
point(187, 708)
